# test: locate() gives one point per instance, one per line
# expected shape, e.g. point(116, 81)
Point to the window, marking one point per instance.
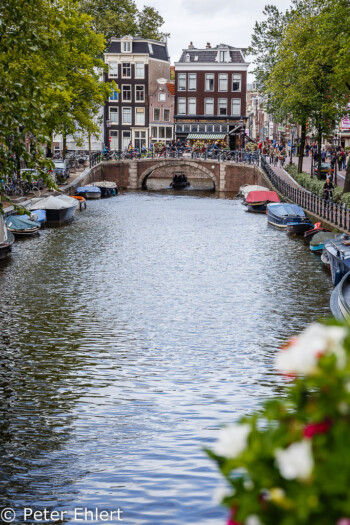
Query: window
point(139, 70)
point(194, 128)
point(156, 114)
point(169, 133)
point(223, 80)
point(187, 128)
point(236, 82)
point(126, 70)
point(114, 115)
point(126, 139)
point(114, 95)
point(114, 140)
point(140, 93)
point(126, 46)
point(162, 132)
point(209, 82)
point(126, 115)
point(236, 107)
point(179, 128)
point(150, 49)
point(201, 128)
point(210, 128)
point(126, 91)
point(192, 106)
point(222, 106)
point(209, 106)
point(223, 56)
point(216, 128)
point(161, 97)
point(181, 82)
point(154, 132)
point(166, 115)
point(181, 106)
point(140, 116)
point(192, 82)
point(113, 69)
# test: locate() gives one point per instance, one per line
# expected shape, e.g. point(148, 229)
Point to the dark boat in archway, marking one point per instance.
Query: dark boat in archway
point(179, 181)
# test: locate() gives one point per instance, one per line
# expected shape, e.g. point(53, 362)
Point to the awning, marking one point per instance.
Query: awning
point(206, 136)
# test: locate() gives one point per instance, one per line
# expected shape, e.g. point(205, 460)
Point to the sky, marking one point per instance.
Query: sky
point(216, 21)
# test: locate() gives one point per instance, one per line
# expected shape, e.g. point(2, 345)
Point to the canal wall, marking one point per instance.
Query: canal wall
point(133, 175)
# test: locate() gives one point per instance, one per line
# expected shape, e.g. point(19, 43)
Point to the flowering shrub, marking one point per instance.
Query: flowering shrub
point(198, 146)
point(289, 463)
point(251, 146)
point(158, 147)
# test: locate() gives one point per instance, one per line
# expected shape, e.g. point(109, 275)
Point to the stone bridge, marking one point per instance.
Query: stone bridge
point(139, 174)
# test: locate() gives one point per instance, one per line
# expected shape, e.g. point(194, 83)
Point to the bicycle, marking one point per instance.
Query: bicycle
point(13, 190)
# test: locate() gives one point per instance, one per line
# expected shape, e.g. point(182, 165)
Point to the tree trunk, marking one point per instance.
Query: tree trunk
point(319, 159)
point(347, 177)
point(302, 146)
point(64, 150)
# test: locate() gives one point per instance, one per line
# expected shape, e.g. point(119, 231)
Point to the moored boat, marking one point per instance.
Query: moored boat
point(247, 188)
point(21, 225)
point(340, 299)
point(58, 210)
point(6, 240)
point(88, 192)
point(179, 181)
point(81, 202)
point(256, 201)
point(298, 228)
point(308, 235)
point(280, 214)
point(108, 188)
point(38, 216)
point(338, 251)
point(318, 241)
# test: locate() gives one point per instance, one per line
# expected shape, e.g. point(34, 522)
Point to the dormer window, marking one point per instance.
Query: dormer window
point(126, 45)
point(150, 48)
point(223, 56)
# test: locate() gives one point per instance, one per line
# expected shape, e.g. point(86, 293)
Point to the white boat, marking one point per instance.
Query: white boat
point(6, 240)
point(247, 188)
point(59, 210)
point(107, 187)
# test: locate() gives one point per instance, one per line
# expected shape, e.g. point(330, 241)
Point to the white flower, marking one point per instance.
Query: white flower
point(221, 492)
point(296, 461)
point(232, 441)
point(302, 355)
point(252, 520)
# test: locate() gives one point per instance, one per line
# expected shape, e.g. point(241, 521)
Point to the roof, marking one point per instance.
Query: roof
point(206, 136)
point(210, 54)
point(160, 50)
point(171, 87)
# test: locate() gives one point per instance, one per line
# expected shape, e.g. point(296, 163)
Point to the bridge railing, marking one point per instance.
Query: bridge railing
point(238, 156)
point(337, 214)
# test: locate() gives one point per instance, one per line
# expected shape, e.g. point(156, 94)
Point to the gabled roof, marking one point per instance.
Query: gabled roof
point(210, 54)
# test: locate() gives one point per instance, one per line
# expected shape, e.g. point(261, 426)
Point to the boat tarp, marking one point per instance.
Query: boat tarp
point(88, 189)
point(50, 203)
point(321, 238)
point(284, 210)
point(244, 190)
point(68, 199)
point(105, 184)
point(21, 222)
point(38, 216)
point(262, 196)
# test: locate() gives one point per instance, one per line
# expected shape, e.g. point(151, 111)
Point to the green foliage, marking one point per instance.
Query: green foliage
point(288, 463)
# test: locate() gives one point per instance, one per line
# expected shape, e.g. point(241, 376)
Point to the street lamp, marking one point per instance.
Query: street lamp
point(293, 130)
point(242, 132)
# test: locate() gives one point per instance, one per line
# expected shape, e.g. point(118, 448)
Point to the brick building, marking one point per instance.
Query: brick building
point(211, 86)
point(161, 112)
point(135, 64)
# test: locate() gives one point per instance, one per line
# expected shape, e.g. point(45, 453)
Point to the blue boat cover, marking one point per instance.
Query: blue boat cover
point(38, 216)
point(284, 210)
point(21, 222)
point(90, 189)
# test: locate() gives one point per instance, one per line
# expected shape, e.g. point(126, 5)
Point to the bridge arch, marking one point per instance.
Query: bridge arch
point(142, 178)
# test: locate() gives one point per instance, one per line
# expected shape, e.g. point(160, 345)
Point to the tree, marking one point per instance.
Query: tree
point(121, 17)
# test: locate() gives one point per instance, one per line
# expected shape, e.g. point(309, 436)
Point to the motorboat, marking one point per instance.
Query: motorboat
point(81, 202)
point(88, 192)
point(59, 210)
point(38, 216)
point(21, 225)
point(340, 299)
point(257, 201)
point(318, 241)
point(247, 188)
point(179, 181)
point(298, 228)
point(6, 240)
point(308, 235)
point(108, 188)
point(338, 251)
point(281, 214)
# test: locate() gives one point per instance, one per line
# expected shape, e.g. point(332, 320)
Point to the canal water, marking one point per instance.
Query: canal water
point(128, 338)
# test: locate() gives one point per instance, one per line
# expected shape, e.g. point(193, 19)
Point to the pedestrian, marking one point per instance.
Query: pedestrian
point(271, 154)
point(344, 160)
point(323, 155)
point(282, 157)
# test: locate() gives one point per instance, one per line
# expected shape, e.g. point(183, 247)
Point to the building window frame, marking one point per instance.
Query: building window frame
point(126, 89)
point(162, 97)
point(114, 96)
point(115, 119)
point(166, 115)
point(181, 81)
point(126, 45)
point(126, 69)
point(223, 79)
point(192, 106)
point(192, 82)
point(138, 74)
point(126, 110)
point(181, 103)
point(138, 112)
point(222, 104)
point(154, 115)
point(113, 71)
point(234, 81)
point(236, 103)
point(207, 102)
point(209, 82)
point(138, 92)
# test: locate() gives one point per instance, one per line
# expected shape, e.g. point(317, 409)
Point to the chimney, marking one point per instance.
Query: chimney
point(191, 46)
point(208, 46)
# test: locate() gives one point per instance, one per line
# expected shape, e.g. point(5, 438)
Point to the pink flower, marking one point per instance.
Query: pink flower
point(343, 521)
point(318, 428)
point(231, 520)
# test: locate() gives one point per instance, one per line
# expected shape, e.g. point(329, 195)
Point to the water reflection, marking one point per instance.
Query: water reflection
point(129, 337)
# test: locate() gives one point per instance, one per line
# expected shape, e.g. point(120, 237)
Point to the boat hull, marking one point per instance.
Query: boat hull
point(89, 195)
point(6, 247)
point(256, 208)
point(340, 299)
point(59, 217)
point(298, 228)
point(107, 192)
point(310, 233)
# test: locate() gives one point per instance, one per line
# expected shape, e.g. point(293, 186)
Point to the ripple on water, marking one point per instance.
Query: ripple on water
point(129, 337)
